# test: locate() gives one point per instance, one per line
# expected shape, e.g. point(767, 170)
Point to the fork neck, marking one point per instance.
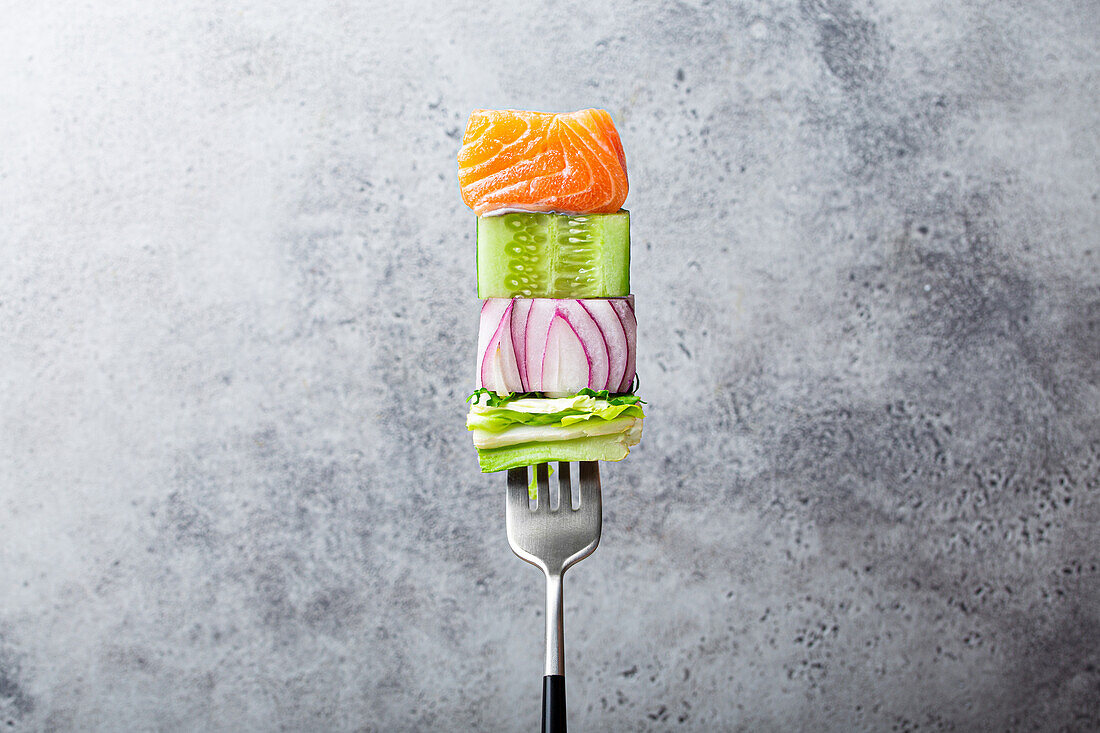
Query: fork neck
point(555, 630)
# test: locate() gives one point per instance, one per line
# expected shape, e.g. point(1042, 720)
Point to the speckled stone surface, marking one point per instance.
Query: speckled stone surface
point(237, 325)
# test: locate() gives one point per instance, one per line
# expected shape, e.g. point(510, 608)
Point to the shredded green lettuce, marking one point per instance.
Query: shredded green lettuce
point(496, 419)
point(533, 487)
point(618, 399)
point(526, 429)
point(492, 399)
point(488, 398)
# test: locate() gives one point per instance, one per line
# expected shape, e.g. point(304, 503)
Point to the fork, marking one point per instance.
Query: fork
point(554, 538)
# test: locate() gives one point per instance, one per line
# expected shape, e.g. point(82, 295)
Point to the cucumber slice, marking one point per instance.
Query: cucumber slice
point(535, 255)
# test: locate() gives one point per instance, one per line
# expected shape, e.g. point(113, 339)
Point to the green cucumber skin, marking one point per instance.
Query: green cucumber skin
point(536, 255)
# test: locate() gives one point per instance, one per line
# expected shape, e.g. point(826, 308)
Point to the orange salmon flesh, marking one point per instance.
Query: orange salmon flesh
point(536, 161)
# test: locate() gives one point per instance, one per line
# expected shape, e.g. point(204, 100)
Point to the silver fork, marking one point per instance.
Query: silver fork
point(554, 539)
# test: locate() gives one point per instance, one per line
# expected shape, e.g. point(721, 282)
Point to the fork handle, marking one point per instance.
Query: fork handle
point(553, 703)
point(555, 625)
point(553, 683)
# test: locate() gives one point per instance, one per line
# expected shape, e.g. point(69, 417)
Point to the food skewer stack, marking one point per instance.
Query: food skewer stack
point(557, 338)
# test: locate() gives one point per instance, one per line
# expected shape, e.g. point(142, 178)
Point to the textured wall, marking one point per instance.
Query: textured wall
point(237, 326)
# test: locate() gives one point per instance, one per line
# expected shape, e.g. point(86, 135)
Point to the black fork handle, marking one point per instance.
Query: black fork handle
point(553, 703)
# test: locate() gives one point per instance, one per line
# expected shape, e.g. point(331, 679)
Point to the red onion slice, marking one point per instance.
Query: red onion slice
point(521, 310)
point(556, 346)
point(614, 338)
point(538, 326)
point(565, 361)
point(624, 309)
point(491, 312)
point(499, 371)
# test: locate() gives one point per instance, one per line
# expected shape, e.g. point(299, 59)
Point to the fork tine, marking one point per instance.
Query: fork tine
point(517, 490)
point(554, 541)
point(565, 495)
point(542, 471)
point(590, 484)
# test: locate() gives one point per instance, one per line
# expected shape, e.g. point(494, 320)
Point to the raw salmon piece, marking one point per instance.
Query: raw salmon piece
point(533, 161)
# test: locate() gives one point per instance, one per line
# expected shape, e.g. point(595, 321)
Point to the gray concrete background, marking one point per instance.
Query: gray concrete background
point(237, 325)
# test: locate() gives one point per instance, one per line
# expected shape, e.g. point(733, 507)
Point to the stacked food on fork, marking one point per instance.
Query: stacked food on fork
point(557, 339)
point(556, 347)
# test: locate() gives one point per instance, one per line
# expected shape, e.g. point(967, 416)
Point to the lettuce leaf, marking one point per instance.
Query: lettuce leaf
point(551, 433)
point(596, 448)
point(498, 419)
point(525, 429)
